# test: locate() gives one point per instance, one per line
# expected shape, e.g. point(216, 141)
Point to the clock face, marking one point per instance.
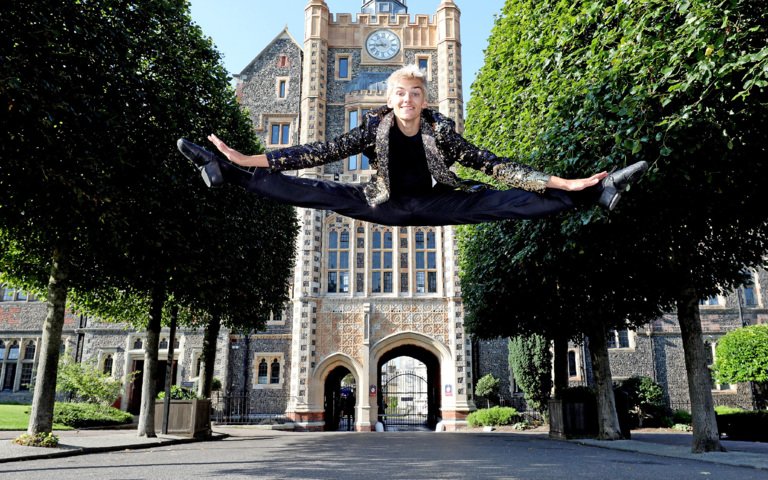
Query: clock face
point(382, 44)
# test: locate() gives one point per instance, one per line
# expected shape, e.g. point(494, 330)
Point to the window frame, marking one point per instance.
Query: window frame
point(348, 59)
point(613, 339)
point(428, 69)
point(283, 133)
point(335, 249)
point(423, 254)
point(269, 358)
point(282, 87)
point(381, 256)
point(362, 164)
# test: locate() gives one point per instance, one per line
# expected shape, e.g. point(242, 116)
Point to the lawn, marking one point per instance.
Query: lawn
point(16, 417)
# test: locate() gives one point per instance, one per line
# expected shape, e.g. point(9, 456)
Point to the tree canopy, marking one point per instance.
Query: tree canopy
point(742, 355)
point(577, 87)
point(96, 197)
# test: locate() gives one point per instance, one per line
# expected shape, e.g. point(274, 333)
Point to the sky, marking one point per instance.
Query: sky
point(240, 29)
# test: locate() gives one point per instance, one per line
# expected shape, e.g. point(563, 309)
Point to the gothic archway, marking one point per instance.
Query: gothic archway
point(334, 399)
point(409, 392)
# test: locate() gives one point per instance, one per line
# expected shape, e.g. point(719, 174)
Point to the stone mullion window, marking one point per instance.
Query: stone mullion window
point(356, 163)
point(382, 261)
point(280, 133)
point(27, 365)
point(425, 257)
point(404, 260)
point(619, 338)
point(338, 261)
point(360, 251)
point(9, 356)
point(269, 369)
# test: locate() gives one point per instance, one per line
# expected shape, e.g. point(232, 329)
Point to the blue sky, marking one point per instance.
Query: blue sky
point(242, 28)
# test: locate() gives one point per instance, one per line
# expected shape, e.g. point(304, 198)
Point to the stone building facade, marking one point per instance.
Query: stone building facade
point(654, 350)
point(114, 348)
point(362, 295)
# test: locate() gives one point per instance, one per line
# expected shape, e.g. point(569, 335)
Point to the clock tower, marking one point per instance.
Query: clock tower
point(372, 306)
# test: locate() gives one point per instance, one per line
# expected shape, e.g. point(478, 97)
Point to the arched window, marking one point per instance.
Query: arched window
point(262, 374)
point(274, 376)
point(13, 351)
point(29, 351)
point(163, 343)
point(137, 345)
point(108, 365)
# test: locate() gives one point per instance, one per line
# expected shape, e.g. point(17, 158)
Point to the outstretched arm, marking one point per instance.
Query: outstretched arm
point(236, 157)
point(575, 184)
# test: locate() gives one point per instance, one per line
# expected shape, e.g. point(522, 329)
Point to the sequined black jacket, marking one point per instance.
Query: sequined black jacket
point(442, 144)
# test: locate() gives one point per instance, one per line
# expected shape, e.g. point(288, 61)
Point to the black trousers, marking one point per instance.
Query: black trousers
point(440, 206)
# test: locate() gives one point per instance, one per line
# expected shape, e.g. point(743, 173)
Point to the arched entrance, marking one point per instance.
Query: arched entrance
point(339, 399)
point(409, 388)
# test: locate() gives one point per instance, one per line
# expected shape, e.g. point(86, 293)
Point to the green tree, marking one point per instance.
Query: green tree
point(742, 356)
point(535, 292)
point(97, 199)
point(84, 381)
point(487, 386)
point(645, 400)
point(530, 361)
point(575, 87)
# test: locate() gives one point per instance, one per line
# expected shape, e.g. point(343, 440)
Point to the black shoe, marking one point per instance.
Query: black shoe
point(619, 181)
point(205, 161)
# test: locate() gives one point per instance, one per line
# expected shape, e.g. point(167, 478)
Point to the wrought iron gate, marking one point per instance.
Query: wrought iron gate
point(406, 402)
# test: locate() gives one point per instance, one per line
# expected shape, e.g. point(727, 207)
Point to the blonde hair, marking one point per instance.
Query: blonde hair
point(407, 72)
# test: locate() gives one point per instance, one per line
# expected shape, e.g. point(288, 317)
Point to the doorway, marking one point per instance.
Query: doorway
point(134, 396)
point(339, 395)
point(409, 389)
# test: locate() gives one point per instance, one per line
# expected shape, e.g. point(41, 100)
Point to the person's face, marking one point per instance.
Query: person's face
point(408, 99)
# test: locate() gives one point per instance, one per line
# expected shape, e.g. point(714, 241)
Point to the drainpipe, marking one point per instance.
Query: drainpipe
point(246, 356)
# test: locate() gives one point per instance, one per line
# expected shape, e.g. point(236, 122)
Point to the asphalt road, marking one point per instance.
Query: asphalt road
point(420, 455)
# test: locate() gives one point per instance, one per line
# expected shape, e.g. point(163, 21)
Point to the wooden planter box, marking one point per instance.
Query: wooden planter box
point(186, 418)
point(572, 419)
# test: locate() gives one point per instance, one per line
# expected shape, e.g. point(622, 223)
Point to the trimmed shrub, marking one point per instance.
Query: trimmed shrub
point(743, 425)
point(82, 415)
point(487, 386)
point(725, 410)
point(179, 393)
point(682, 417)
point(493, 417)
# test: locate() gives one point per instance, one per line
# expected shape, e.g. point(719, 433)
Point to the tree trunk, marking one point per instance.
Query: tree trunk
point(607, 419)
point(149, 378)
point(169, 369)
point(44, 396)
point(705, 435)
point(560, 362)
point(209, 357)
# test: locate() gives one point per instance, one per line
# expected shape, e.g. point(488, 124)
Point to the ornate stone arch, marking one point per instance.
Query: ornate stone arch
point(328, 364)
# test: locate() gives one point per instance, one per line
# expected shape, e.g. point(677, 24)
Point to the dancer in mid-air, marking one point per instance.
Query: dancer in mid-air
point(412, 149)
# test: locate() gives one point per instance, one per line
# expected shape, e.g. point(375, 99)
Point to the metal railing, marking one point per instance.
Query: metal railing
point(248, 410)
